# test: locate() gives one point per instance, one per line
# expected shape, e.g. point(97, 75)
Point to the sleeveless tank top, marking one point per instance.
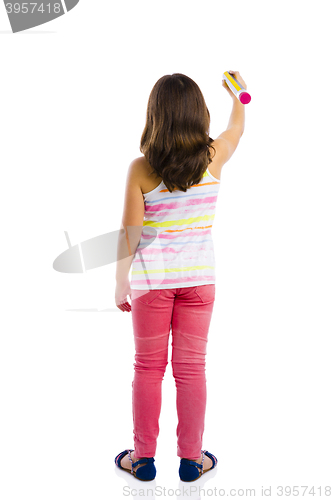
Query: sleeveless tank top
point(176, 247)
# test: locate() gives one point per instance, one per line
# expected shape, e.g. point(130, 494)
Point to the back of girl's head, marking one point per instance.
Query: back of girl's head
point(175, 140)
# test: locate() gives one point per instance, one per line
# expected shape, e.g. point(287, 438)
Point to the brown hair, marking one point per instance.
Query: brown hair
point(175, 140)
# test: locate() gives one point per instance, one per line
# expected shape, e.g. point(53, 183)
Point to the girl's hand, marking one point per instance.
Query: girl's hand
point(122, 290)
point(239, 78)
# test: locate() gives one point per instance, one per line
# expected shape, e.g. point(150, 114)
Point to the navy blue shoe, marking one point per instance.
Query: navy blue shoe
point(145, 473)
point(191, 471)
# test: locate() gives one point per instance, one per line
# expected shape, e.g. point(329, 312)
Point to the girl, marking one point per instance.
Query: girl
point(169, 208)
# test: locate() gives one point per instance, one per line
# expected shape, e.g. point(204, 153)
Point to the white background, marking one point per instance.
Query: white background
point(73, 101)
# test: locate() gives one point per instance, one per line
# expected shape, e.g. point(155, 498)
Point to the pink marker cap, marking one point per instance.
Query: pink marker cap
point(244, 98)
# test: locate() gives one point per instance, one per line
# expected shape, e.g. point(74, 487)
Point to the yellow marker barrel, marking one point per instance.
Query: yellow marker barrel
point(237, 89)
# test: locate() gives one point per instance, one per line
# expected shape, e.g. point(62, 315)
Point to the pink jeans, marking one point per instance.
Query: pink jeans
point(188, 312)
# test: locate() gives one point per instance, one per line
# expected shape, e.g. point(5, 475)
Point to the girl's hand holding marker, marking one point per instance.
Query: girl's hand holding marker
point(236, 87)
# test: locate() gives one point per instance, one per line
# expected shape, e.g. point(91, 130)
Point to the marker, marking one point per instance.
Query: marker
point(238, 90)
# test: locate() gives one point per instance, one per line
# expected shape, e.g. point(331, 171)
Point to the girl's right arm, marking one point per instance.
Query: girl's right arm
point(227, 142)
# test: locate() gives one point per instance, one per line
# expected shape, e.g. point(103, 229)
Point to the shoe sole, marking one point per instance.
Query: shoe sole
point(128, 470)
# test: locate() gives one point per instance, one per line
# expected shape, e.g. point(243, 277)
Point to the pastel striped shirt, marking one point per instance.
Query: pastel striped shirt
point(176, 247)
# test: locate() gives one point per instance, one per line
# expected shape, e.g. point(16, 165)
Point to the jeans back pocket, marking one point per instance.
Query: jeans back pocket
point(145, 296)
point(206, 293)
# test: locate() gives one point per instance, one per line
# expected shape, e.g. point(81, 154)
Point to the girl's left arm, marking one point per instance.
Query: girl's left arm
point(132, 222)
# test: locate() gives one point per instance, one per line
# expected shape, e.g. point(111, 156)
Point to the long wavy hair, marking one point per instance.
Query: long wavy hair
point(175, 140)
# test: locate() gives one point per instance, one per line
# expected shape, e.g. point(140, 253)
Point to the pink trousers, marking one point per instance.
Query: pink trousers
point(187, 312)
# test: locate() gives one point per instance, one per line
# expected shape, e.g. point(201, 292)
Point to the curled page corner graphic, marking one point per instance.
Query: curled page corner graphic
point(98, 251)
point(70, 4)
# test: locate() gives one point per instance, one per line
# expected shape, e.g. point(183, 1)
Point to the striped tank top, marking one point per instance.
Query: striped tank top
point(176, 247)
